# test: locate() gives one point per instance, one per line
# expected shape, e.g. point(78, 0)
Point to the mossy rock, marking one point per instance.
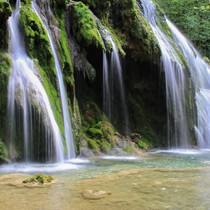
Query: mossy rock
point(85, 26)
point(127, 149)
point(39, 178)
point(105, 147)
point(95, 133)
point(143, 144)
point(106, 128)
point(91, 113)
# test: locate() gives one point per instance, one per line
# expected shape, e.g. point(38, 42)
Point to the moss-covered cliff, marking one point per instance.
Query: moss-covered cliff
point(79, 32)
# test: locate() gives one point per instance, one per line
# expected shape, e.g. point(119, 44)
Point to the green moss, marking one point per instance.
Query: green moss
point(39, 178)
point(85, 27)
point(105, 147)
point(127, 150)
point(92, 144)
point(140, 38)
point(107, 129)
point(95, 133)
point(143, 144)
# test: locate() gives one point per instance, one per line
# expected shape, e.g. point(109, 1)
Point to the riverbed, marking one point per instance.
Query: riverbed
point(178, 179)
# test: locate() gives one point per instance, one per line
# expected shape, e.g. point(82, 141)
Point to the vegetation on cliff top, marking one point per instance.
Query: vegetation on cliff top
point(193, 17)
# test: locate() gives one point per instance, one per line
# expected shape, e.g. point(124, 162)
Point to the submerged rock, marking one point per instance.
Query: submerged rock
point(95, 194)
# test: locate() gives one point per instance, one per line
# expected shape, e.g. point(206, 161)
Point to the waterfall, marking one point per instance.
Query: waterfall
point(178, 134)
point(66, 116)
point(106, 88)
point(114, 103)
point(25, 88)
point(200, 73)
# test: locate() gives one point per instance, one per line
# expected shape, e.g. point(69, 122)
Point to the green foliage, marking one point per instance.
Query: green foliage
point(193, 17)
point(39, 178)
point(5, 13)
point(85, 27)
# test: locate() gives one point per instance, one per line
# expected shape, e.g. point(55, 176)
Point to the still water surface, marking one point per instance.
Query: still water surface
point(160, 180)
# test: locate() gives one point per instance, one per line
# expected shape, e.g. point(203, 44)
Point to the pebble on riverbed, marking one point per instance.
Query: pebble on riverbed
point(95, 194)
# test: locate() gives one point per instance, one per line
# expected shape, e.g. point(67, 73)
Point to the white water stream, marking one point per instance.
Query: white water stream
point(25, 87)
point(66, 116)
point(114, 103)
point(200, 73)
point(178, 133)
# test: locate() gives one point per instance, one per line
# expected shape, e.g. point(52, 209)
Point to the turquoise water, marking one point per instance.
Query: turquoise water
point(160, 180)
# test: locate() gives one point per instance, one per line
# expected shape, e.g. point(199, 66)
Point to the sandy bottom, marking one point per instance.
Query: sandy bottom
point(131, 190)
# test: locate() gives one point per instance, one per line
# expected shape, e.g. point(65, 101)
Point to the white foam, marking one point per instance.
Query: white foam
point(120, 157)
point(179, 151)
point(78, 160)
point(40, 168)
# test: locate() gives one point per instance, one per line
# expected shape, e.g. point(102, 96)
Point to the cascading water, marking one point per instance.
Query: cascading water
point(200, 73)
point(66, 116)
point(178, 134)
point(106, 88)
point(26, 89)
point(115, 106)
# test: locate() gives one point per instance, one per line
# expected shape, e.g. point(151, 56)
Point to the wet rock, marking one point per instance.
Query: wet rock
point(95, 194)
point(135, 137)
point(86, 152)
point(118, 151)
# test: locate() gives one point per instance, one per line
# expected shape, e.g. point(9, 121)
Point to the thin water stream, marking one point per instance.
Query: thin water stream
point(66, 115)
point(114, 97)
point(160, 180)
